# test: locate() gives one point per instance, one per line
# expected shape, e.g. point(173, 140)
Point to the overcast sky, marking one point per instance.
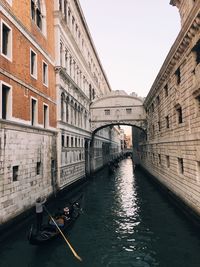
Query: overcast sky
point(132, 38)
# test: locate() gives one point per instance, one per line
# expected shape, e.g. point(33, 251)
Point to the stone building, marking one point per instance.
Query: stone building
point(80, 79)
point(172, 150)
point(28, 105)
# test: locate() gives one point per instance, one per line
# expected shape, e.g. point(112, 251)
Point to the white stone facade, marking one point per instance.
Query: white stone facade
point(172, 150)
point(79, 80)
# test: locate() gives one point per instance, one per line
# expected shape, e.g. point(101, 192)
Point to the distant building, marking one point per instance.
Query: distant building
point(128, 141)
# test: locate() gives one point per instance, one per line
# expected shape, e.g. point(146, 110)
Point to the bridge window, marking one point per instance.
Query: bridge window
point(107, 111)
point(128, 110)
point(180, 166)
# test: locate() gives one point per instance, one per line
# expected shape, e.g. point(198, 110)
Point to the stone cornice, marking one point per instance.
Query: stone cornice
point(181, 44)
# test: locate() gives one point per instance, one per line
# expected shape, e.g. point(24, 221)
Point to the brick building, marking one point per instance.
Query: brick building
point(28, 104)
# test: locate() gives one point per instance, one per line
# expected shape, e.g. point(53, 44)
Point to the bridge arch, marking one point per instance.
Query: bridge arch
point(117, 108)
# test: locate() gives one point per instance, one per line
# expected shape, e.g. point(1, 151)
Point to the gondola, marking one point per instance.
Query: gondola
point(49, 231)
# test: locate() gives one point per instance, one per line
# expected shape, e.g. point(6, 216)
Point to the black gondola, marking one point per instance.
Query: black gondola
point(49, 231)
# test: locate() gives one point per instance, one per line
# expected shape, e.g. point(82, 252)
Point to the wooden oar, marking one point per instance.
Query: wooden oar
point(70, 246)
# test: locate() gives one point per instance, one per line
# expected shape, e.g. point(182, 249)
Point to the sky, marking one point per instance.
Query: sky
point(132, 39)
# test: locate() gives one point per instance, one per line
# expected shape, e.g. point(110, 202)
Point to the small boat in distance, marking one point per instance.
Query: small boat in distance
point(50, 231)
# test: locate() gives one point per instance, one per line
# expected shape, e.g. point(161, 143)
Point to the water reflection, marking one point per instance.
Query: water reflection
point(125, 205)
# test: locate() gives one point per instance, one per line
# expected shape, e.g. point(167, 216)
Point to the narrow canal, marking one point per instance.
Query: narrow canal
point(125, 222)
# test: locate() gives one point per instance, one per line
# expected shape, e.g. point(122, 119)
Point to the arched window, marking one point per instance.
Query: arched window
point(38, 14)
point(62, 106)
point(75, 114)
point(85, 119)
point(72, 112)
point(90, 92)
point(67, 109)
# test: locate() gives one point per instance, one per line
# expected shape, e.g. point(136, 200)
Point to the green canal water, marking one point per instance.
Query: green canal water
point(126, 222)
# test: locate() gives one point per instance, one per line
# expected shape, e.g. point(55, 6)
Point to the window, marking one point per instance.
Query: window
point(158, 100)
point(72, 142)
point(6, 40)
point(90, 92)
point(167, 121)
point(36, 14)
point(180, 166)
point(63, 140)
point(179, 114)
point(159, 126)
point(45, 73)
point(166, 90)
point(15, 173)
point(33, 111)
point(38, 168)
point(168, 161)
point(45, 116)
point(60, 5)
point(75, 142)
point(128, 110)
point(178, 76)
point(152, 107)
point(107, 111)
point(33, 64)
point(196, 50)
point(159, 159)
point(93, 94)
point(6, 102)
point(65, 10)
point(198, 104)
point(67, 141)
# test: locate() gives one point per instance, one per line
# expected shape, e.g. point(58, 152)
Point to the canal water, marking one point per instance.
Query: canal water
point(125, 222)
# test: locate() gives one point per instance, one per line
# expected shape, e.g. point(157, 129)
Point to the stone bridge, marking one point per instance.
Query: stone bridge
point(117, 108)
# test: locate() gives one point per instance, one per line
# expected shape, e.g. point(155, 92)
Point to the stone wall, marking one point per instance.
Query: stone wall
point(26, 173)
